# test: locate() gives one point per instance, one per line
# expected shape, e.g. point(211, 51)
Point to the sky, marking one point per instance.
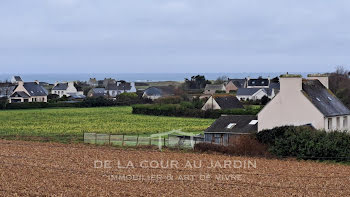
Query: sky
point(173, 36)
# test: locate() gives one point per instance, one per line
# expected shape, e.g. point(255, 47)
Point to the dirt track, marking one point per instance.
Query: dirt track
point(31, 169)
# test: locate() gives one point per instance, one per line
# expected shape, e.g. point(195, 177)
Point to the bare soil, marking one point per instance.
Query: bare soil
point(53, 169)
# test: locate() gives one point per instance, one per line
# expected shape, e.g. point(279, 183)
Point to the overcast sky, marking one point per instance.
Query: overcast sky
point(146, 36)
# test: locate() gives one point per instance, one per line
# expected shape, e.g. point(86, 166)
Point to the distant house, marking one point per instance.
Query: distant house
point(305, 102)
point(114, 89)
point(253, 94)
point(97, 92)
point(213, 88)
point(156, 92)
point(92, 82)
point(108, 81)
point(225, 129)
point(28, 92)
point(16, 79)
point(258, 83)
point(67, 89)
point(234, 84)
point(222, 102)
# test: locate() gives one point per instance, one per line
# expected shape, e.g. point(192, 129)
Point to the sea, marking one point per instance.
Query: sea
point(133, 77)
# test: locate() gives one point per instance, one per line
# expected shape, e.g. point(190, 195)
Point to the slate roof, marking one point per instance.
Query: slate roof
point(121, 86)
point(21, 94)
point(64, 86)
point(97, 92)
point(252, 91)
point(160, 91)
point(241, 121)
point(214, 87)
point(61, 86)
point(258, 82)
point(17, 78)
point(247, 91)
point(34, 89)
point(239, 83)
point(275, 85)
point(323, 99)
point(228, 102)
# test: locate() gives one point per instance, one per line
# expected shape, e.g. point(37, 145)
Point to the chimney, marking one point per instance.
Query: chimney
point(20, 83)
point(321, 77)
point(71, 84)
point(291, 83)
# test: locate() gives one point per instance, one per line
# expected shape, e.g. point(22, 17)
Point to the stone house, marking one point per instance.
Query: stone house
point(25, 92)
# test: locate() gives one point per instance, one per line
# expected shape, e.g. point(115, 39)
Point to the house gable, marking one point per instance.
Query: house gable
point(290, 107)
point(211, 104)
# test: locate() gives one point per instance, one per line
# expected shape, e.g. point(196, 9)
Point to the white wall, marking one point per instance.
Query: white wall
point(335, 126)
point(323, 79)
point(290, 107)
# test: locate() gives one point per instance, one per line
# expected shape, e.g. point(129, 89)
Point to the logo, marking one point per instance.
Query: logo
point(180, 134)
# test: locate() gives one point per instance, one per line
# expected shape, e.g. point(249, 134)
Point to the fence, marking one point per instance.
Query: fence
point(139, 140)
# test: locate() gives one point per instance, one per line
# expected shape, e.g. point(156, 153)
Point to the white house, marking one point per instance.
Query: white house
point(305, 102)
point(114, 89)
point(67, 89)
point(255, 93)
point(156, 92)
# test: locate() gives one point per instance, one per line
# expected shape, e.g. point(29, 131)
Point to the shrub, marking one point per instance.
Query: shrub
point(3, 103)
point(97, 102)
point(307, 143)
point(183, 110)
point(169, 100)
point(128, 99)
point(35, 105)
point(242, 145)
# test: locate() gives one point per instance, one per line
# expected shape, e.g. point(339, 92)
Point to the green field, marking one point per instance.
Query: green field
point(76, 121)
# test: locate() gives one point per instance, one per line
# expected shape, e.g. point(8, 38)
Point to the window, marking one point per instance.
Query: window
point(329, 123)
point(338, 122)
point(329, 98)
point(318, 99)
point(345, 122)
point(231, 125)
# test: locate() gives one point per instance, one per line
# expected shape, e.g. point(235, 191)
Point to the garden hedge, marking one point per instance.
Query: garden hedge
point(307, 143)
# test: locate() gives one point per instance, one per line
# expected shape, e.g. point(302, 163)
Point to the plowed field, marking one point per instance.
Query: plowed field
point(50, 169)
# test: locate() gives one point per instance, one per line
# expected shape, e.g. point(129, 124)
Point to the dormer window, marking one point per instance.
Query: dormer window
point(231, 125)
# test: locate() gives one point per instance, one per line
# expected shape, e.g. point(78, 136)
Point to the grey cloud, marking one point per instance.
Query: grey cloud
point(187, 35)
